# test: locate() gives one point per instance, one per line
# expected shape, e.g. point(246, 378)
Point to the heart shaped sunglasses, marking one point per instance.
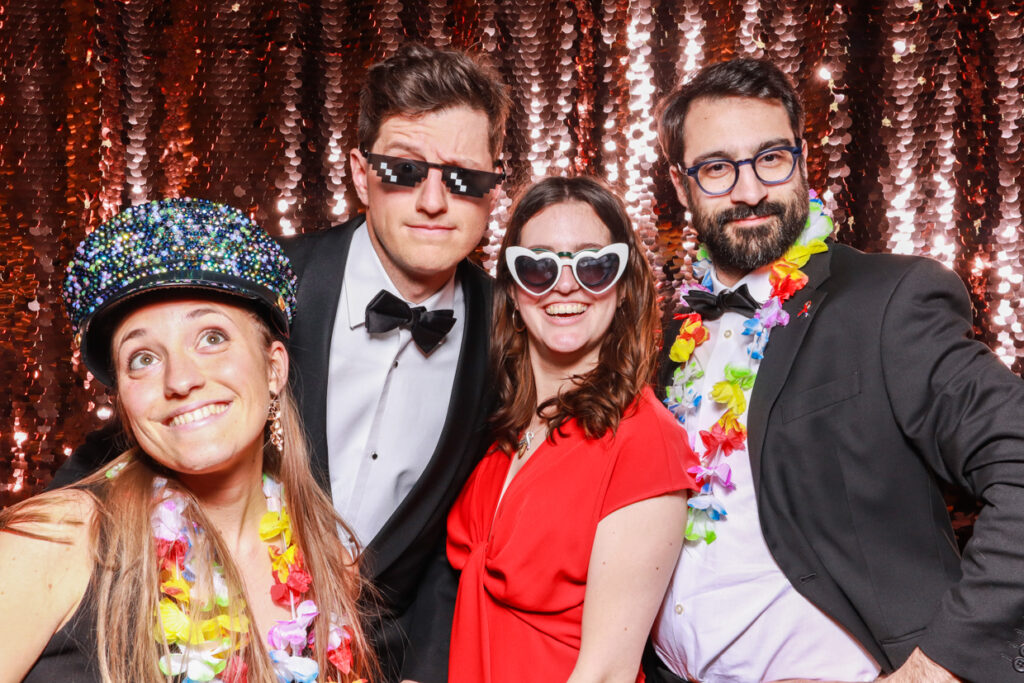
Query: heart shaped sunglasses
point(536, 271)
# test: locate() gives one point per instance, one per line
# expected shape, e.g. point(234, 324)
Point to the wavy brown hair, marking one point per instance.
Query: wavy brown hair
point(599, 398)
point(125, 581)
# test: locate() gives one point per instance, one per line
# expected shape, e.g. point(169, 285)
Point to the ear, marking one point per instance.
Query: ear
point(679, 182)
point(803, 155)
point(492, 196)
point(277, 367)
point(359, 168)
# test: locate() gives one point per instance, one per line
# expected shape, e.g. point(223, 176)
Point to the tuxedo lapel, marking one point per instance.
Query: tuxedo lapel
point(783, 345)
point(454, 456)
point(320, 258)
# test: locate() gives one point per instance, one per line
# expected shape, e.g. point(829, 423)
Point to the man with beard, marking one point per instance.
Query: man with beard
point(827, 392)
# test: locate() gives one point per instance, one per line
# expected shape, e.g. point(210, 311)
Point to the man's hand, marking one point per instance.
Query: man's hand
point(919, 669)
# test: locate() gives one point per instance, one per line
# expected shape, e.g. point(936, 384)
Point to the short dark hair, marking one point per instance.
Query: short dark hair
point(628, 351)
point(742, 77)
point(421, 80)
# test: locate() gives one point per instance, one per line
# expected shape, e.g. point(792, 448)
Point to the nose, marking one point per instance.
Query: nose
point(433, 195)
point(566, 281)
point(182, 375)
point(748, 189)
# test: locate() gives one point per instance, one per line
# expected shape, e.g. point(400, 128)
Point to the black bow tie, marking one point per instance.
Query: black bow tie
point(386, 312)
point(712, 306)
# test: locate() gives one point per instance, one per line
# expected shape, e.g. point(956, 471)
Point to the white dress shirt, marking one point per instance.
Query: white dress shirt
point(730, 614)
point(386, 400)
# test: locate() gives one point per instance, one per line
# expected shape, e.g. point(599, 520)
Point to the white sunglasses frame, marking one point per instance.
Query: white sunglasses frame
point(620, 249)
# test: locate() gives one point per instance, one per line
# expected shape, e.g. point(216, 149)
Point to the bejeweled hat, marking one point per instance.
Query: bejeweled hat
point(172, 243)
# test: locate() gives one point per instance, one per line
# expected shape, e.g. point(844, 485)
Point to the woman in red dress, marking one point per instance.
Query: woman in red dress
point(567, 532)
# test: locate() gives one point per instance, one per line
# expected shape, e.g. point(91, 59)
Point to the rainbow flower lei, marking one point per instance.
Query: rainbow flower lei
point(201, 651)
point(683, 396)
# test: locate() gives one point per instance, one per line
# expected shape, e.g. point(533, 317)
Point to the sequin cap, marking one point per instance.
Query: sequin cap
point(172, 243)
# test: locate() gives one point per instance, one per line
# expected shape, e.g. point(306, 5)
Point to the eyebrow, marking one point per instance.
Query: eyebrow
point(192, 315)
point(398, 147)
point(579, 247)
point(721, 154)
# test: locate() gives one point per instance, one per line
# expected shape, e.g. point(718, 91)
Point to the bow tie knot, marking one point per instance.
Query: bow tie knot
point(386, 312)
point(713, 306)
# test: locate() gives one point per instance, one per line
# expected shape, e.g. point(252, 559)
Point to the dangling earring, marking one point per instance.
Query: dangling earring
point(274, 418)
point(522, 323)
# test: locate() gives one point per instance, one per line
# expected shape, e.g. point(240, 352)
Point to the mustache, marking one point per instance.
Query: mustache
point(762, 209)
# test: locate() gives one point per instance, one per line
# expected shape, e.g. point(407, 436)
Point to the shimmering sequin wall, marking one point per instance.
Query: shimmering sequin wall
point(914, 127)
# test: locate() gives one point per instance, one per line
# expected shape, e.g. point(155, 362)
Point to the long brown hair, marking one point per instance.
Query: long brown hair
point(125, 581)
point(626, 360)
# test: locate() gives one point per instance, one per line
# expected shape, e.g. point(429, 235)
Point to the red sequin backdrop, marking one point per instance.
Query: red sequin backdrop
point(914, 128)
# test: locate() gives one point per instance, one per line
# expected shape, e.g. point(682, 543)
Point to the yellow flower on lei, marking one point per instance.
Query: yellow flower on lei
point(281, 561)
point(731, 394)
point(730, 421)
point(798, 254)
point(175, 586)
point(274, 524)
point(692, 334)
point(176, 625)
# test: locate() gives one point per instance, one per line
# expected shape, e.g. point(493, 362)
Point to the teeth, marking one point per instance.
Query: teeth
point(565, 309)
point(199, 414)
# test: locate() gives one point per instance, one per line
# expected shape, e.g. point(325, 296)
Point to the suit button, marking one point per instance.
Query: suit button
point(1018, 665)
point(1021, 650)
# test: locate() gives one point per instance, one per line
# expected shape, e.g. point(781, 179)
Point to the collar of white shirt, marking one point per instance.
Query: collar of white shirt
point(365, 277)
point(757, 283)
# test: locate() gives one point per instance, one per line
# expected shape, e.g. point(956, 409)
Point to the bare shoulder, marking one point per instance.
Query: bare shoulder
point(46, 562)
point(64, 516)
point(47, 539)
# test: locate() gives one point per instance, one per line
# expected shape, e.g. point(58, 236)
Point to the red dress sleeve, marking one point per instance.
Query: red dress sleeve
point(653, 458)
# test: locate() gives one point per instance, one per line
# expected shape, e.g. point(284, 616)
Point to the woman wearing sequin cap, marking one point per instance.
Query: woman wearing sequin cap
point(206, 551)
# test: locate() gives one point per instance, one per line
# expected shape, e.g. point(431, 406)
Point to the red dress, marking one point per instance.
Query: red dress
point(519, 611)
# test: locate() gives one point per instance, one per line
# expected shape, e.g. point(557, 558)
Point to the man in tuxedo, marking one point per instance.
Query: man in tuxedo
point(390, 341)
point(391, 334)
point(827, 392)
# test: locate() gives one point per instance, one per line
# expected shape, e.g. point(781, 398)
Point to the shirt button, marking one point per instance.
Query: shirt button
point(727, 334)
point(679, 608)
point(373, 456)
point(395, 364)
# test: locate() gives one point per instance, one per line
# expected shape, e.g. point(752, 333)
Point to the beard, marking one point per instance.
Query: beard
point(745, 249)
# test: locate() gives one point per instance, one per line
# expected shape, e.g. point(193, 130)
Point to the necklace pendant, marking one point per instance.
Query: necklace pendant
point(524, 443)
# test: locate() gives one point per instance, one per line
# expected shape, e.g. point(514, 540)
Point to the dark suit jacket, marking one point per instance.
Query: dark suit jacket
point(405, 560)
point(861, 403)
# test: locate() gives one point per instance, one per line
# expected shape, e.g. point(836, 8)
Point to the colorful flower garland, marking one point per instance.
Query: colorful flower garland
point(202, 651)
point(683, 397)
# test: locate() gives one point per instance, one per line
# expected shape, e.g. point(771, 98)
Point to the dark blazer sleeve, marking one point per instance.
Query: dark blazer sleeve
point(100, 447)
point(428, 620)
point(963, 411)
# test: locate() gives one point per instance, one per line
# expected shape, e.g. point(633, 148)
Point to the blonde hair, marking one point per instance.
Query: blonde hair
point(125, 580)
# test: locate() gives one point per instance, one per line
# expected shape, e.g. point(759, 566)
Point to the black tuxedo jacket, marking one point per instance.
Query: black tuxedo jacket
point(405, 561)
point(871, 393)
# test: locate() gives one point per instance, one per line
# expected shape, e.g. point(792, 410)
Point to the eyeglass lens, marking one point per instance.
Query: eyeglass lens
point(771, 166)
point(411, 172)
point(537, 275)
